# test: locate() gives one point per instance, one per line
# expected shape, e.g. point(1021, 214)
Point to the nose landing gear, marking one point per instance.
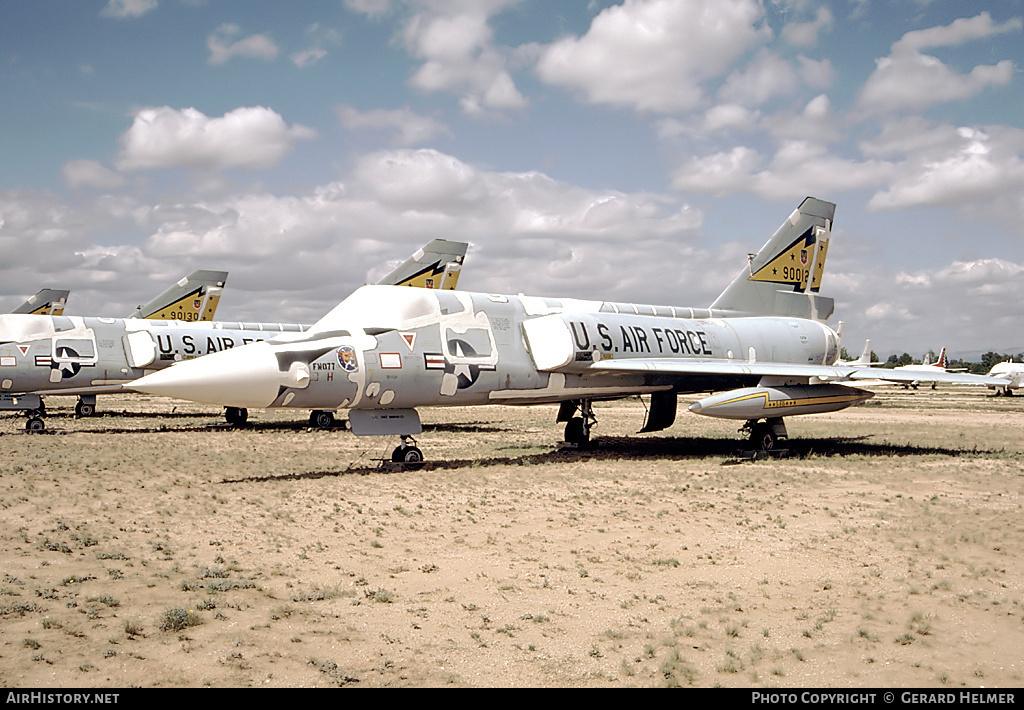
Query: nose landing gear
point(577, 428)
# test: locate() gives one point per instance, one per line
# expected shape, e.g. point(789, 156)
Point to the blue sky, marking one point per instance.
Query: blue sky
point(631, 150)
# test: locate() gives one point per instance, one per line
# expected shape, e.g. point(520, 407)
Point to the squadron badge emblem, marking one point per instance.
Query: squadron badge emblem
point(347, 358)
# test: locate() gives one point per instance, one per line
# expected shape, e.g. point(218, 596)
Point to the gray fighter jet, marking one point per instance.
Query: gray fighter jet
point(383, 352)
point(90, 356)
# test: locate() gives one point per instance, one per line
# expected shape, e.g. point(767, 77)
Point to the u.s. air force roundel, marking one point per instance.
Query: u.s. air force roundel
point(347, 358)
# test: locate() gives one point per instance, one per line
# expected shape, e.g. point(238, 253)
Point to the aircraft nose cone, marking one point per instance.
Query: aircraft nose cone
point(244, 377)
point(696, 408)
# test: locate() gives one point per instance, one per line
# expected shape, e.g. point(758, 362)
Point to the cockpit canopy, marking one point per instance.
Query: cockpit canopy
point(387, 307)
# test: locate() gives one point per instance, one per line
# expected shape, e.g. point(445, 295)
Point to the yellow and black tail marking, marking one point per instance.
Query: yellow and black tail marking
point(439, 275)
point(796, 264)
point(193, 307)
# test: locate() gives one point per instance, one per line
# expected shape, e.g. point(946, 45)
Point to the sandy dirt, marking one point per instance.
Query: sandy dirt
point(154, 546)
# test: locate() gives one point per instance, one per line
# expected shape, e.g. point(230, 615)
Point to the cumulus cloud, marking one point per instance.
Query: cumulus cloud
point(908, 80)
point(318, 37)
point(308, 57)
point(409, 128)
point(455, 43)
point(798, 168)
point(969, 167)
point(655, 55)
point(958, 32)
point(90, 173)
point(223, 45)
point(124, 9)
point(805, 34)
point(529, 232)
point(252, 138)
point(961, 305)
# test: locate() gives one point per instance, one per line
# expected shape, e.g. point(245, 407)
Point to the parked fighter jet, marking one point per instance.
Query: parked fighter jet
point(46, 302)
point(385, 351)
point(194, 299)
point(86, 356)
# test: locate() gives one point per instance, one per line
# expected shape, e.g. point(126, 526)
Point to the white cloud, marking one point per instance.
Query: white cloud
point(253, 138)
point(655, 55)
point(908, 80)
point(805, 34)
point(308, 57)
point(89, 173)
point(768, 76)
point(409, 127)
point(222, 48)
point(900, 310)
point(318, 36)
point(958, 32)
point(529, 233)
point(122, 9)
point(974, 167)
point(720, 173)
point(730, 116)
point(455, 43)
point(373, 8)
point(817, 123)
point(798, 168)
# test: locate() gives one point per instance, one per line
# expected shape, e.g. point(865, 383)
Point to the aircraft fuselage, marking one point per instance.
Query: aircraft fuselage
point(48, 353)
point(390, 348)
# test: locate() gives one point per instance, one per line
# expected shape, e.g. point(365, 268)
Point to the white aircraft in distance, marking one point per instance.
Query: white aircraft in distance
point(865, 357)
point(46, 302)
point(90, 356)
point(925, 370)
point(384, 351)
point(1012, 374)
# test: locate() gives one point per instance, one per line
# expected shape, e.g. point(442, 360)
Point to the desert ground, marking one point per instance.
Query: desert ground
point(153, 546)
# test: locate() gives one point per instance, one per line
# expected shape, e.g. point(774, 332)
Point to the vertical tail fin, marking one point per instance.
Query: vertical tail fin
point(47, 302)
point(437, 265)
point(784, 277)
point(194, 298)
point(865, 355)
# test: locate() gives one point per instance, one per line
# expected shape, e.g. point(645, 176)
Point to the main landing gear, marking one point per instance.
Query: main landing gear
point(86, 406)
point(577, 427)
point(321, 419)
point(35, 423)
point(765, 436)
point(408, 454)
point(236, 416)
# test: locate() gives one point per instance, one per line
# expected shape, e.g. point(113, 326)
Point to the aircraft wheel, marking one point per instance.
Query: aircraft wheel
point(236, 416)
point(35, 424)
point(763, 437)
point(83, 409)
point(411, 456)
point(1008, 392)
point(321, 419)
point(576, 432)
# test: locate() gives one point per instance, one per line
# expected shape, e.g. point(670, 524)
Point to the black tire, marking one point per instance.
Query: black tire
point(236, 416)
point(321, 419)
point(763, 437)
point(35, 424)
point(575, 432)
point(411, 456)
point(83, 409)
